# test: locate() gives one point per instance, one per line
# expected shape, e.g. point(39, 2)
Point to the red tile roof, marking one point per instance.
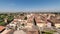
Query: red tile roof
point(1, 28)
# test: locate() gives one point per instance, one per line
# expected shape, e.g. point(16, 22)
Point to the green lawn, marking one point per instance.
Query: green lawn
point(49, 32)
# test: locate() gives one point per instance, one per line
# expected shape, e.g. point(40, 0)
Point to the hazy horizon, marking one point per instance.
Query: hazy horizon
point(29, 5)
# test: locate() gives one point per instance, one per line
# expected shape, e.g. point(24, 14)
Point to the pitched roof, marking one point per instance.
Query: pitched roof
point(2, 28)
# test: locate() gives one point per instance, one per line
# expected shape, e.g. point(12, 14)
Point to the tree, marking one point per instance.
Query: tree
point(2, 23)
point(25, 18)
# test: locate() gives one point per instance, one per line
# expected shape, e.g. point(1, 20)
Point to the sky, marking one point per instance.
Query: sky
point(28, 5)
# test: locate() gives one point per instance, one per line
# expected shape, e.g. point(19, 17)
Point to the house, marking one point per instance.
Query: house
point(32, 31)
point(19, 32)
point(57, 24)
point(2, 28)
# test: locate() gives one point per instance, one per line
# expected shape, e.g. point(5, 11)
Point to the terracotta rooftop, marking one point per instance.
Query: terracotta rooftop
point(2, 28)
